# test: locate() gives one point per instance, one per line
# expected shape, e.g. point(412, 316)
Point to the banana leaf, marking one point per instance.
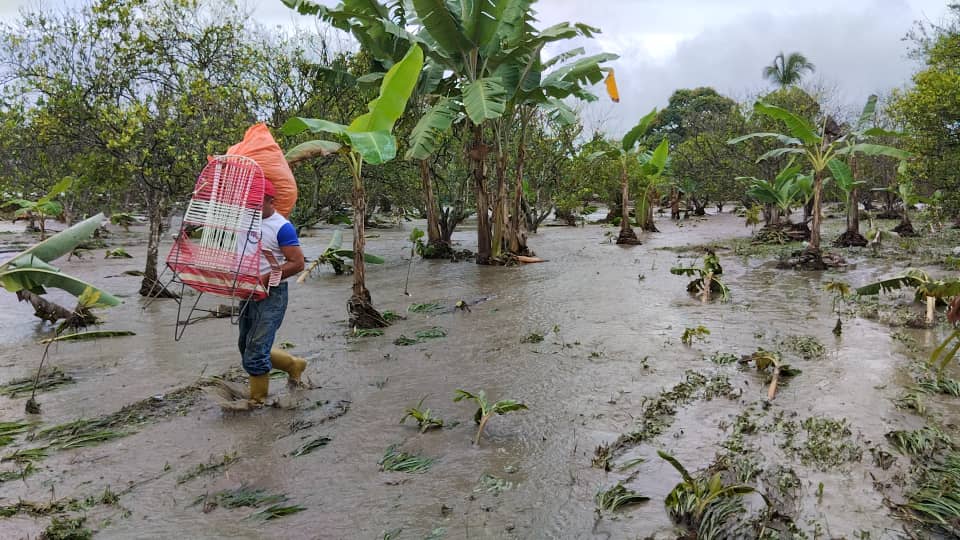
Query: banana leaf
point(57, 245)
point(395, 90)
point(434, 124)
point(799, 127)
point(484, 99)
point(35, 279)
point(310, 150)
point(368, 257)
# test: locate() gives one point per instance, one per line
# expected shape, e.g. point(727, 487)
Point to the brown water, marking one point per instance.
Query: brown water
point(584, 384)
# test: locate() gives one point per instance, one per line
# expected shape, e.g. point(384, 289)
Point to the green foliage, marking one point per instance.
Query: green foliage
point(485, 409)
point(787, 70)
point(708, 278)
point(422, 416)
point(29, 270)
point(697, 332)
point(617, 497)
point(398, 461)
point(338, 258)
point(690, 499)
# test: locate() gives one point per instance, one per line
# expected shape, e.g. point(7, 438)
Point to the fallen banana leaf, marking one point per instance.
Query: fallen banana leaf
point(93, 334)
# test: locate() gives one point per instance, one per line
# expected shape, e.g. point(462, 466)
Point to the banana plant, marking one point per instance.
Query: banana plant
point(816, 147)
point(926, 288)
point(367, 139)
point(337, 258)
point(423, 417)
point(485, 409)
point(654, 164)
point(478, 52)
point(45, 207)
point(708, 278)
point(780, 195)
point(909, 198)
point(841, 291)
point(29, 273)
point(689, 499)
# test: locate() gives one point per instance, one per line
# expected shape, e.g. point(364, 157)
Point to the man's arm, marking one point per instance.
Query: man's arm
point(294, 264)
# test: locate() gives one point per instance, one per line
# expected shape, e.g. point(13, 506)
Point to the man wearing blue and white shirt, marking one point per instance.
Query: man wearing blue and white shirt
point(260, 320)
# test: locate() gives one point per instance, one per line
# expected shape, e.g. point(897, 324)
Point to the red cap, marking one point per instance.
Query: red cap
point(268, 189)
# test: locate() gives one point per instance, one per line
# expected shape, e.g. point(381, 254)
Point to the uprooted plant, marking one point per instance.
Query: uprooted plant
point(926, 288)
point(768, 359)
point(486, 409)
point(708, 278)
point(425, 420)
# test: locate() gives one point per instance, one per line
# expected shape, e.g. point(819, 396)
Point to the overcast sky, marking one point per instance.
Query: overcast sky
point(857, 45)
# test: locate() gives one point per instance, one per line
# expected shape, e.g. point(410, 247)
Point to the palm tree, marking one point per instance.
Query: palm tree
point(788, 70)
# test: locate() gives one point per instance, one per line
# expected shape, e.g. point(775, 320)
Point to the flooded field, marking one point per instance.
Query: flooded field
point(591, 341)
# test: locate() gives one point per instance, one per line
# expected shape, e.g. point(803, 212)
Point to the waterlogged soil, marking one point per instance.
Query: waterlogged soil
point(611, 319)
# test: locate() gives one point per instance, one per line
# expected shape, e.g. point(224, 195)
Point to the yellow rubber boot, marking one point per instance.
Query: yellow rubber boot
point(293, 365)
point(259, 388)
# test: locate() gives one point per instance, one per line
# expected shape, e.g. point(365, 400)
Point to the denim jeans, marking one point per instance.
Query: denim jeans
point(259, 322)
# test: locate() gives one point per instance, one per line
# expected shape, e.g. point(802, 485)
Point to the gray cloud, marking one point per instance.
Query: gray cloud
point(856, 44)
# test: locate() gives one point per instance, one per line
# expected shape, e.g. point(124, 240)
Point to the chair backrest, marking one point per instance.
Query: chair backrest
point(223, 216)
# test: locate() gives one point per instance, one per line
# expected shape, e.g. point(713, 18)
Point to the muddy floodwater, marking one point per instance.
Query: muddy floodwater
point(611, 320)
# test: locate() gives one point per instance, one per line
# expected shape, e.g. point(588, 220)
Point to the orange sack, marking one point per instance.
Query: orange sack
point(258, 144)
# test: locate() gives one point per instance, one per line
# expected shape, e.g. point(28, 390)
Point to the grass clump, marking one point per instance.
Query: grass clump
point(48, 380)
point(533, 337)
point(617, 497)
point(421, 336)
point(311, 445)
point(493, 484)
point(397, 461)
point(722, 358)
point(366, 332)
point(806, 346)
point(921, 442)
point(940, 385)
point(210, 467)
point(430, 307)
point(828, 443)
point(67, 529)
point(241, 496)
point(277, 511)
point(935, 501)
point(8, 430)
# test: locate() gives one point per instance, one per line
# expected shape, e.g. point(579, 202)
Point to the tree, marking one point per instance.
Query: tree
point(368, 139)
point(788, 70)
point(930, 114)
point(145, 89)
point(625, 154)
point(817, 148)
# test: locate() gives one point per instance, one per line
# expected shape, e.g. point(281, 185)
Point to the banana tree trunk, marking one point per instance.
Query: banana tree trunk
point(517, 241)
point(360, 307)
point(44, 309)
point(627, 236)
point(931, 308)
point(433, 223)
point(814, 247)
point(500, 205)
point(477, 156)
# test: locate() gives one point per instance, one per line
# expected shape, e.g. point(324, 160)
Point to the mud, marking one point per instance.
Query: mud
point(611, 318)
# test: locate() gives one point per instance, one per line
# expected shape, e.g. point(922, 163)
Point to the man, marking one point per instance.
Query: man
point(260, 320)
